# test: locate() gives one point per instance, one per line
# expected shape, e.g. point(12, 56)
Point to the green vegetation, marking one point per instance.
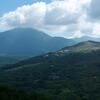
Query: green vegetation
point(62, 75)
point(14, 94)
point(87, 46)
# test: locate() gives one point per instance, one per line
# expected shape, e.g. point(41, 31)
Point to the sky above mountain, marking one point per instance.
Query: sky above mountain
point(10, 5)
point(66, 18)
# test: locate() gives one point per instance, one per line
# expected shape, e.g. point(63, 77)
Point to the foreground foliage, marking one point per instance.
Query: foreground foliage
point(70, 74)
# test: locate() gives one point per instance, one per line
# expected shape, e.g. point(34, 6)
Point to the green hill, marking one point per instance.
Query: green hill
point(72, 73)
point(87, 46)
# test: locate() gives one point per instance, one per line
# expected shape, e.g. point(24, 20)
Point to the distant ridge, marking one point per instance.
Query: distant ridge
point(87, 47)
point(29, 42)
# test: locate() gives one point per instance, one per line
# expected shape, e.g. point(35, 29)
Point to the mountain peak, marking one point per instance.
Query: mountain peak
point(29, 42)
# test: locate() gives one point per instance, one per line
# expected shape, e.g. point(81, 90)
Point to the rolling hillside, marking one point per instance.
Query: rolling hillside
point(72, 73)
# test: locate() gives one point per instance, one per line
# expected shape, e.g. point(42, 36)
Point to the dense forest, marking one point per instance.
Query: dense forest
point(72, 73)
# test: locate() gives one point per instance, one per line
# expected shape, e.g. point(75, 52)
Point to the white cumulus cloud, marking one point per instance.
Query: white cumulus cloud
point(68, 18)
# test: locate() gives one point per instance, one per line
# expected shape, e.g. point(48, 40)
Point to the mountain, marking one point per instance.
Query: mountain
point(71, 73)
point(87, 46)
point(29, 42)
point(86, 38)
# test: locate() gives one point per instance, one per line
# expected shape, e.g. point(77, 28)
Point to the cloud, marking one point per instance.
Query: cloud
point(66, 18)
point(94, 9)
point(62, 13)
point(25, 16)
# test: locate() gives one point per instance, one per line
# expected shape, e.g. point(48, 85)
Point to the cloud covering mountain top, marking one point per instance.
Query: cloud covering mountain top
point(66, 18)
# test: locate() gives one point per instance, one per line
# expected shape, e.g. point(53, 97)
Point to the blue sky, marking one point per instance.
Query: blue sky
point(66, 18)
point(10, 5)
